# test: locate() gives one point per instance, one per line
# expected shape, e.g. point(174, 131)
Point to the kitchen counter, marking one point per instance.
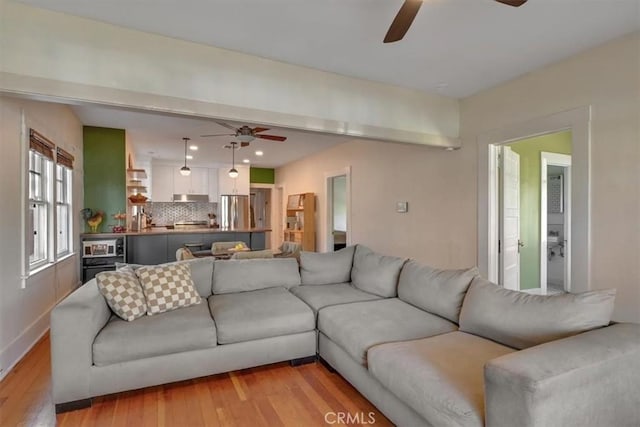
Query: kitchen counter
point(158, 245)
point(165, 230)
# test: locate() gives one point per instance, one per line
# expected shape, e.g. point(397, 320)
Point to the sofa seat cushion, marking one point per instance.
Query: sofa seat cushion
point(358, 326)
point(184, 329)
point(319, 296)
point(265, 313)
point(441, 378)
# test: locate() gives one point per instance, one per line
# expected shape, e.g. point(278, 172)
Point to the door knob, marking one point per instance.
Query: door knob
point(520, 244)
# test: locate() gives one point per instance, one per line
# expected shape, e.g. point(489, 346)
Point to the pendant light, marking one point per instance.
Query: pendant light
point(185, 171)
point(233, 172)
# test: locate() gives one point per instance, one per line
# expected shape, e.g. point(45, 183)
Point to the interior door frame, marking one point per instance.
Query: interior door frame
point(328, 206)
point(577, 120)
point(564, 160)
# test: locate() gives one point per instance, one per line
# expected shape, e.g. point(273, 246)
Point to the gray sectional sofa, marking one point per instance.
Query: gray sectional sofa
point(425, 346)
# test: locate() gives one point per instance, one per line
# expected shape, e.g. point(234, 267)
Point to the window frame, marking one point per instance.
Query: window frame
point(39, 195)
point(66, 186)
point(47, 190)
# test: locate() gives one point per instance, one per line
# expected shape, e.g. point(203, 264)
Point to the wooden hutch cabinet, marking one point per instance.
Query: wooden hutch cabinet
point(301, 220)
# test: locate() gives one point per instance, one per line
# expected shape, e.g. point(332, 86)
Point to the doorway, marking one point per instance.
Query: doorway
point(338, 203)
point(555, 224)
point(261, 210)
point(524, 238)
point(577, 121)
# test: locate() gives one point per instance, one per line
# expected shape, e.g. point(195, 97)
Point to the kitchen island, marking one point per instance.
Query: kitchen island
point(158, 245)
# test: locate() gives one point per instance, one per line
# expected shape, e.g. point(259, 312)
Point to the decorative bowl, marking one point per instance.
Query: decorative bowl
point(138, 198)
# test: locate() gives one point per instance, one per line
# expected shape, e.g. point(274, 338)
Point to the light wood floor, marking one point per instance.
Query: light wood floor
point(274, 395)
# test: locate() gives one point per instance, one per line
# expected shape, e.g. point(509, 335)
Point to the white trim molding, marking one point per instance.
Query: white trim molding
point(577, 120)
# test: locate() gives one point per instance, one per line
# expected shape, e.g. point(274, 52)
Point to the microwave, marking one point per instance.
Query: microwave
point(101, 248)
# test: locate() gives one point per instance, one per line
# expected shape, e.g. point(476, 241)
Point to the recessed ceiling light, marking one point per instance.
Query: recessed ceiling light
point(189, 157)
point(245, 161)
point(259, 153)
point(193, 147)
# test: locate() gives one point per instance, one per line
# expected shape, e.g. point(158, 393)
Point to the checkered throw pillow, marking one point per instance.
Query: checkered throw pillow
point(123, 293)
point(167, 287)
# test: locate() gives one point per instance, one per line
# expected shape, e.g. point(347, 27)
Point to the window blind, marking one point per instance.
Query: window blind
point(64, 158)
point(40, 144)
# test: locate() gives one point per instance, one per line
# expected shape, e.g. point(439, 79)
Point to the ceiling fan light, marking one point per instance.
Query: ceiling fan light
point(233, 173)
point(246, 138)
point(185, 171)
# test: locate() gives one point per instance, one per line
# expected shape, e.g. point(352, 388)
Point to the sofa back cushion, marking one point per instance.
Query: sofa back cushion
point(440, 292)
point(201, 272)
point(240, 275)
point(326, 268)
point(522, 320)
point(375, 273)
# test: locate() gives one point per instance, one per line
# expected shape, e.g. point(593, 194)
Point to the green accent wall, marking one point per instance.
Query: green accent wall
point(529, 151)
point(262, 176)
point(104, 172)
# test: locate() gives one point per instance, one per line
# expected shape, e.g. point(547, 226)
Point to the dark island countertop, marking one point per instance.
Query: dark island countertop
point(164, 230)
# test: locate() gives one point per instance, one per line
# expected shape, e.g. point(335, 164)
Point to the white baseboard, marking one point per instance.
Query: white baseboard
point(17, 349)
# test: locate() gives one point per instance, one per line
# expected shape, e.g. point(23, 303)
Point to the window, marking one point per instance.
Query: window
point(39, 209)
point(63, 211)
point(49, 218)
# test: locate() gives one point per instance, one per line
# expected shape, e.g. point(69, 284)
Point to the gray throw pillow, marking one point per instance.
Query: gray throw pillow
point(123, 293)
point(437, 291)
point(326, 268)
point(375, 273)
point(522, 320)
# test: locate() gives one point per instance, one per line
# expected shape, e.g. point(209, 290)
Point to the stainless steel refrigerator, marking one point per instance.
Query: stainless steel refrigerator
point(234, 212)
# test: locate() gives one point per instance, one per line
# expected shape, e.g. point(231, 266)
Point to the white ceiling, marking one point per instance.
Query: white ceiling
point(158, 137)
point(455, 47)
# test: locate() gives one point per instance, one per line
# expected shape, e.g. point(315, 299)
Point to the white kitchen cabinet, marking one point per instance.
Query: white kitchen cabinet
point(162, 183)
point(197, 182)
point(228, 185)
point(213, 185)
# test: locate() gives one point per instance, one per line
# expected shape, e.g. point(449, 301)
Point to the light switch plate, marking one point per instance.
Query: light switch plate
point(402, 207)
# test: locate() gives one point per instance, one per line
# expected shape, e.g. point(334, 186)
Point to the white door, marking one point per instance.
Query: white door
point(510, 219)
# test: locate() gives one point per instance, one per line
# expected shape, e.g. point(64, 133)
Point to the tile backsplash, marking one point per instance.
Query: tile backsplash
point(166, 213)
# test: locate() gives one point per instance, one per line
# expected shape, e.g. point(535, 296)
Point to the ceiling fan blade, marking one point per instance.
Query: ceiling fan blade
point(402, 21)
point(514, 3)
point(218, 134)
point(257, 129)
point(272, 137)
point(244, 144)
point(228, 126)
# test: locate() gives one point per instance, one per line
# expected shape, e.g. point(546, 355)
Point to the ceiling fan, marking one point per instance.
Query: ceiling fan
point(408, 11)
point(245, 134)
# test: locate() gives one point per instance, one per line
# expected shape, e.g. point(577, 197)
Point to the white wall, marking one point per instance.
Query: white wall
point(439, 228)
point(608, 79)
point(62, 55)
point(24, 313)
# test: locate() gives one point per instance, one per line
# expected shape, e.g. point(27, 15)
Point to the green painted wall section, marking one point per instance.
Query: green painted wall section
point(262, 176)
point(529, 151)
point(104, 172)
